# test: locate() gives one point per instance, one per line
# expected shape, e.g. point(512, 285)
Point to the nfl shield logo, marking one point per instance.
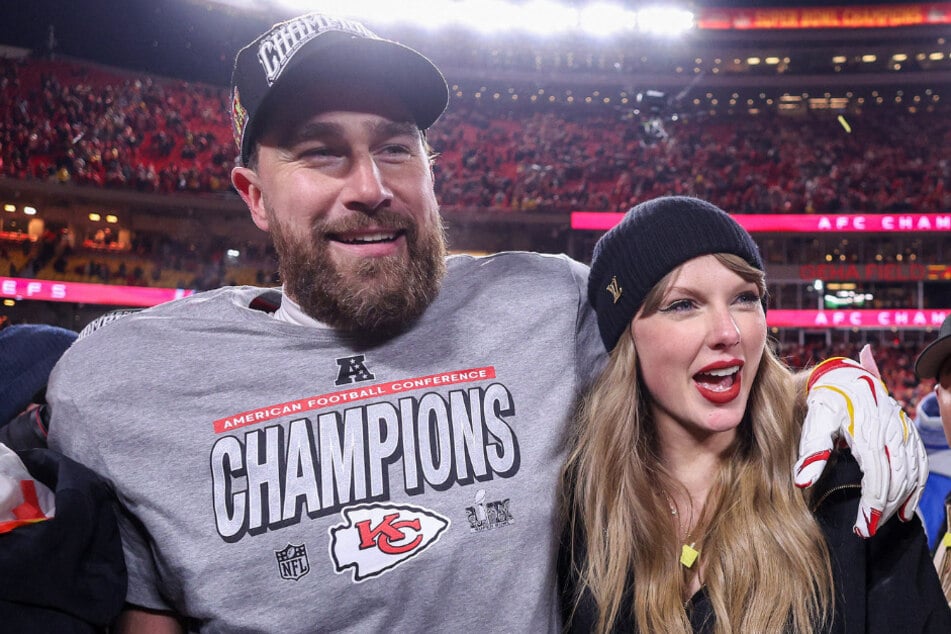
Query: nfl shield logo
point(292, 561)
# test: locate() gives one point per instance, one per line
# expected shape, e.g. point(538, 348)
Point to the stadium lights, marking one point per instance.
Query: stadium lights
point(601, 19)
point(481, 17)
point(544, 17)
point(536, 17)
point(667, 21)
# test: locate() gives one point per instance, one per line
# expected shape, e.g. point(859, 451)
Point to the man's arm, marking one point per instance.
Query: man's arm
point(848, 403)
point(136, 620)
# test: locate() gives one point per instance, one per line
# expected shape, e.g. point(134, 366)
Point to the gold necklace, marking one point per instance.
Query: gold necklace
point(688, 553)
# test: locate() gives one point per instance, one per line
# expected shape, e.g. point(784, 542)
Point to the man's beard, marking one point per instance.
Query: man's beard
point(372, 297)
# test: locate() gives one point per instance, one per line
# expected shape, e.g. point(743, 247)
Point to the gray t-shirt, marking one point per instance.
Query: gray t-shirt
point(279, 478)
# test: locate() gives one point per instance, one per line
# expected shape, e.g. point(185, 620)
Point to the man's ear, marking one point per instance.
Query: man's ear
point(246, 181)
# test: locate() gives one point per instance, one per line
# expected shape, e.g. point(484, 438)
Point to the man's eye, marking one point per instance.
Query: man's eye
point(396, 149)
point(315, 152)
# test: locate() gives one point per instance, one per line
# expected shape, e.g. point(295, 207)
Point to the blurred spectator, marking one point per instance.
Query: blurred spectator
point(932, 504)
point(28, 353)
point(63, 572)
point(935, 362)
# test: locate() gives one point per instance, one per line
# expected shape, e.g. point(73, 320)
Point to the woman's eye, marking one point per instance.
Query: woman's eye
point(678, 306)
point(749, 297)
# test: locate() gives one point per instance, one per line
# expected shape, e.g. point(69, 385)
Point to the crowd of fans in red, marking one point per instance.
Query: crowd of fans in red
point(605, 159)
point(81, 124)
point(84, 124)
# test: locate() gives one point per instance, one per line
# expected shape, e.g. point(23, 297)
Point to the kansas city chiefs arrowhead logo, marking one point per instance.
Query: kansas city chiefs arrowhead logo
point(375, 538)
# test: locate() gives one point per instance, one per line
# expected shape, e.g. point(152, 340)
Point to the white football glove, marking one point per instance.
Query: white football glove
point(849, 403)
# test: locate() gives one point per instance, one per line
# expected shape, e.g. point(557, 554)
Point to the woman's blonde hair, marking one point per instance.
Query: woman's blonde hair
point(766, 565)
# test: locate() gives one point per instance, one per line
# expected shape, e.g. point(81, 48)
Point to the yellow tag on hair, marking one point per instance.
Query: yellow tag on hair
point(688, 555)
point(946, 542)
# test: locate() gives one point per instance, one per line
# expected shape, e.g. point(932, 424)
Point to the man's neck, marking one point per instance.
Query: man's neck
point(291, 312)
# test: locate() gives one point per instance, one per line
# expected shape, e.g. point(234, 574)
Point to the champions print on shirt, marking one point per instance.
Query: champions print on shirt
point(281, 464)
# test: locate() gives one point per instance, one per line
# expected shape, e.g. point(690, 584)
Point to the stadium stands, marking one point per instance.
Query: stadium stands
point(79, 123)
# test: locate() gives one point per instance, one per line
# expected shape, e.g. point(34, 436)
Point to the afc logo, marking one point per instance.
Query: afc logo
point(352, 369)
point(292, 561)
point(375, 538)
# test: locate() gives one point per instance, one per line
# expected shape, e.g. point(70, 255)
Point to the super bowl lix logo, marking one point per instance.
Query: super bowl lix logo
point(485, 515)
point(375, 538)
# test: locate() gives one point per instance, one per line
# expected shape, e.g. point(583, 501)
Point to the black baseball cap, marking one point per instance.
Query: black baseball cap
point(933, 356)
point(314, 48)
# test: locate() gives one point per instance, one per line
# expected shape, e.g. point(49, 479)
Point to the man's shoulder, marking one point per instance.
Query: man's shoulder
point(516, 263)
point(219, 305)
point(513, 257)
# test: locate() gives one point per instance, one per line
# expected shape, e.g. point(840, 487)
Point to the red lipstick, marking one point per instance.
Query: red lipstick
point(717, 386)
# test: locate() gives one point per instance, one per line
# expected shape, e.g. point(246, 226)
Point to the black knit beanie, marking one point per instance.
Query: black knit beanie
point(652, 239)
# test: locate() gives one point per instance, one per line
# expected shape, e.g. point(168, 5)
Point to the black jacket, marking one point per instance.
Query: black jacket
point(65, 574)
point(885, 584)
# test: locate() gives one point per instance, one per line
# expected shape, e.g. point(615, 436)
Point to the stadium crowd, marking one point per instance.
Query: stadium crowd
point(603, 159)
point(79, 123)
point(84, 124)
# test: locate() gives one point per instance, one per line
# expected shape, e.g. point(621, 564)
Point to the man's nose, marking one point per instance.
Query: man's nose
point(366, 187)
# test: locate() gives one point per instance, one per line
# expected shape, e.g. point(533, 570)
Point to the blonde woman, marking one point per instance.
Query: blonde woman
point(683, 512)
